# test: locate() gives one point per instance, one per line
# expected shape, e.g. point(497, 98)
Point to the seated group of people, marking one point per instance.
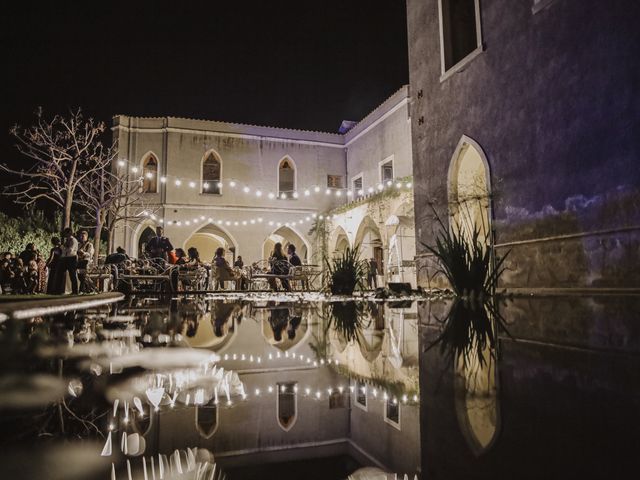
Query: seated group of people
point(279, 264)
point(69, 259)
point(159, 247)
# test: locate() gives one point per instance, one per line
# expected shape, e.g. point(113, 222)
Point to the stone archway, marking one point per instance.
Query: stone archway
point(369, 240)
point(210, 237)
point(286, 235)
point(469, 190)
point(339, 242)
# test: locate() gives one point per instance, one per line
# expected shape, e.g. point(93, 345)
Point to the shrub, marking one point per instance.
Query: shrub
point(346, 272)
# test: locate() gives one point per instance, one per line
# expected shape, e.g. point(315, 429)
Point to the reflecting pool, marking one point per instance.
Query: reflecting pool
point(210, 388)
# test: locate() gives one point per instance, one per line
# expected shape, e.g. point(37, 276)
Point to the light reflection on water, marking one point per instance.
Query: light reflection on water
point(325, 388)
point(248, 382)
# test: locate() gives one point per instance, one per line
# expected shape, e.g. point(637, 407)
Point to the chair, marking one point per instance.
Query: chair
point(222, 275)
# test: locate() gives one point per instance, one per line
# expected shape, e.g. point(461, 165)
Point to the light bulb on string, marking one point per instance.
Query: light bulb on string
point(134, 169)
point(316, 189)
point(121, 163)
point(370, 189)
point(389, 183)
point(327, 192)
point(258, 193)
point(205, 185)
point(192, 184)
point(283, 196)
point(148, 175)
point(408, 184)
point(399, 185)
point(271, 195)
point(360, 192)
point(232, 183)
point(178, 183)
point(219, 184)
point(295, 195)
point(380, 186)
point(349, 193)
point(338, 193)
point(163, 179)
point(307, 193)
point(246, 189)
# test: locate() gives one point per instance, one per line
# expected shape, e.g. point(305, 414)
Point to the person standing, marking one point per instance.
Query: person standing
point(159, 246)
point(238, 263)
point(85, 259)
point(372, 278)
point(53, 264)
point(68, 263)
point(279, 266)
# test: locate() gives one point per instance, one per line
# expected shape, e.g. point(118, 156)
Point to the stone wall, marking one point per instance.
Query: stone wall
point(552, 100)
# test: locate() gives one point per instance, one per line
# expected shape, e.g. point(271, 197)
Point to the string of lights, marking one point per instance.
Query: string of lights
point(261, 193)
point(309, 218)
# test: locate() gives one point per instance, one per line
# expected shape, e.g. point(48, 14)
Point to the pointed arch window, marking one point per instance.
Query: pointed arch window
point(286, 177)
point(211, 174)
point(150, 175)
point(287, 406)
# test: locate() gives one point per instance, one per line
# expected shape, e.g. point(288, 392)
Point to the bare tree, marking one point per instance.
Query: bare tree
point(65, 150)
point(110, 196)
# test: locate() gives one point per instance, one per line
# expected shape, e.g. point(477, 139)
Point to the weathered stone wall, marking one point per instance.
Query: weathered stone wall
point(553, 102)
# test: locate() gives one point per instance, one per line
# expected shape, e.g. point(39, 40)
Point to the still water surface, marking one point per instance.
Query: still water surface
point(270, 389)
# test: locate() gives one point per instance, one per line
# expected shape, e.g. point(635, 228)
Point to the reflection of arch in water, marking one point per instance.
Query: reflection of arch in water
point(370, 344)
point(287, 405)
point(208, 238)
point(225, 315)
point(476, 401)
point(469, 188)
point(286, 235)
point(207, 419)
point(281, 312)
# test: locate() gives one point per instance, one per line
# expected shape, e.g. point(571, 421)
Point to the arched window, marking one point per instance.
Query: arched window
point(150, 175)
point(211, 170)
point(287, 405)
point(286, 177)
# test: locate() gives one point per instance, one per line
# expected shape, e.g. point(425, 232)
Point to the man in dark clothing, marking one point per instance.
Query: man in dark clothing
point(294, 259)
point(159, 246)
point(372, 278)
point(238, 263)
point(28, 254)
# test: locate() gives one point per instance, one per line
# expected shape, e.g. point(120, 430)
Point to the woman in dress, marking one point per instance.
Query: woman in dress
point(52, 264)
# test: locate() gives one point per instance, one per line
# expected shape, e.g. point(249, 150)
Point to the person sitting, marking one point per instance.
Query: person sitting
point(181, 257)
point(279, 266)
point(28, 254)
point(194, 257)
point(31, 277)
point(223, 271)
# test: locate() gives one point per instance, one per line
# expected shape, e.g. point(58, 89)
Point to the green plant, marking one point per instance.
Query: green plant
point(467, 262)
point(348, 319)
point(469, 330)
point(346, 272)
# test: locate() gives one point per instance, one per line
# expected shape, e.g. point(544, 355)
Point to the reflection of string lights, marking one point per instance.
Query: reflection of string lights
point(306, 360)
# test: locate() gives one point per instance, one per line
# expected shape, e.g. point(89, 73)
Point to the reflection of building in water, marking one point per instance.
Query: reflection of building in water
point(298, 407)
point(245, 187)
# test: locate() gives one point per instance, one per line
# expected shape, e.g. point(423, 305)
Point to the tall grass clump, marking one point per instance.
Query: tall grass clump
point(346, 272)
point(467, 262)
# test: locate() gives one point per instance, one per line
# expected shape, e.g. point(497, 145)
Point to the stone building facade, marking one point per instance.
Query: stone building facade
point(245, 187)
point(525, 120)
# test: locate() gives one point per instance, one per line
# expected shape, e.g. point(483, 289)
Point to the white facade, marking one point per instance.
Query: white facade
point(248, 213)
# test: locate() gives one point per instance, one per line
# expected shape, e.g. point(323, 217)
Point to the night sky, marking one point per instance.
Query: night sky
point(298, 64)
